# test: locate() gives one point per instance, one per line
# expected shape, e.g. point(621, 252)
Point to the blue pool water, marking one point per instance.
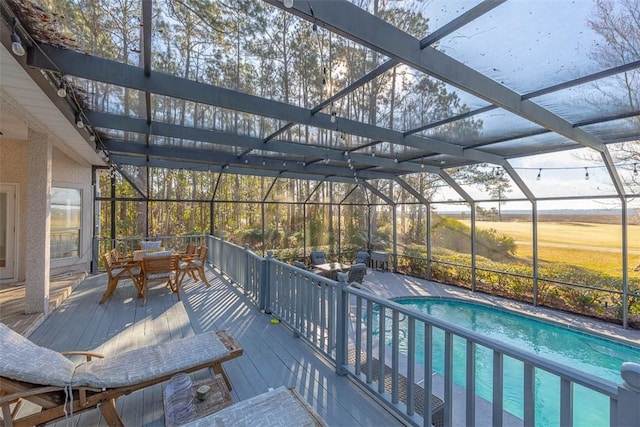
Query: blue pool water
point(585, 352)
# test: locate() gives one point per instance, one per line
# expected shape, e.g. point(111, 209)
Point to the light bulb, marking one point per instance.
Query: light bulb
point(288, 3)
point(538, 177)
point(16, 44)
point(62, 90)
point(333, 117)
point(79, 122)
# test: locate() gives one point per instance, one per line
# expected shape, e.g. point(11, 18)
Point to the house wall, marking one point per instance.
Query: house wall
point(65, 173)
point(13, 170)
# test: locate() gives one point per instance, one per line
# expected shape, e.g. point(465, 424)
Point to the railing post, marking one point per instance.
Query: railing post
point(629, 395)
point(222, 266)
point(265, 284)
point(342, 322)
point(247, 269)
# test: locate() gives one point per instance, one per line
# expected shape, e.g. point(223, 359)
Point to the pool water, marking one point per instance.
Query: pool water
point(585, 352)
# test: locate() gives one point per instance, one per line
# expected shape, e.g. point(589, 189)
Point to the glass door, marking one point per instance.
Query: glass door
point(7, 232)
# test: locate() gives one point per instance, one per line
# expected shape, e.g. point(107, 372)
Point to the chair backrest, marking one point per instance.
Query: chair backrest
point(299, 265)
point(356, 273)
point(155, 266)
point(22, 360)
point(318, 257)
point(202, 253)
point(150, 245)
point(109, 261)
point(191, 249)
point(361, 258)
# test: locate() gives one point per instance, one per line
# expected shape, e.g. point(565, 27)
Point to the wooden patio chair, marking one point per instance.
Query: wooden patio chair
point(120, 270)
point(64, 389)
point(190, 249)
point(194, 264)
point(159, 267)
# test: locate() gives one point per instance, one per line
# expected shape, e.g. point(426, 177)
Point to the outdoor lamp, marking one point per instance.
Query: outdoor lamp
point(16, 42)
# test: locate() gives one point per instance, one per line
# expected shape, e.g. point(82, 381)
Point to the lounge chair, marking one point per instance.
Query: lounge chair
point(51, 381)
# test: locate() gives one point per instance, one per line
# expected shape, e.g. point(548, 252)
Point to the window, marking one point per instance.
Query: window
point(66, 222)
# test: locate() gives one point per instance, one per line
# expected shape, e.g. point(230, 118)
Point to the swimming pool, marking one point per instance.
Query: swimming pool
point(586, 352)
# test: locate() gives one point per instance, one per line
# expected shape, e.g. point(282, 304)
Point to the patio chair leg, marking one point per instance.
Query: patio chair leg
point(203, 277)
point(110, 414)
point(111, 286)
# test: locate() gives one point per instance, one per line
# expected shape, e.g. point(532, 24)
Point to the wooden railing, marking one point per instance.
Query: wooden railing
point(342, 322)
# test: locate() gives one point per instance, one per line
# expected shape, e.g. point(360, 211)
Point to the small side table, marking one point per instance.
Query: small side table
point(217, 399)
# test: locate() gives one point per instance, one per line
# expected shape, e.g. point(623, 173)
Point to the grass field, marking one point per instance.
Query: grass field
point(588, 245)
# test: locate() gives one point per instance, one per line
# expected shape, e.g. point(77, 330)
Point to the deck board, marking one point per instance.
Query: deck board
point(272, 355)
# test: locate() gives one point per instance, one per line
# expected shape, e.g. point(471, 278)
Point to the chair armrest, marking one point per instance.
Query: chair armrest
point(89, 354)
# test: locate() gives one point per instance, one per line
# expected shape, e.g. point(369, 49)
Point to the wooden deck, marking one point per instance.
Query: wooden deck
point(273, 357)
point(12, 302)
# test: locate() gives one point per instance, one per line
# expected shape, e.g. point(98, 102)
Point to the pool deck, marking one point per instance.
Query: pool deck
point(393, 285)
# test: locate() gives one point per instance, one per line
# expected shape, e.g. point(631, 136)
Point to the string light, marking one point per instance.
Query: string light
point(288, 3)
point(333, 117)
point(586, 174)
point(16, 42)
point(62, 89)
point(539, 174)
point(635, 169)
point(79, 122)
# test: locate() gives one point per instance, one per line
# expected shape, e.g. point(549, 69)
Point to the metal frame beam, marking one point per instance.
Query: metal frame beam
point(339, 16)
point(115, 73)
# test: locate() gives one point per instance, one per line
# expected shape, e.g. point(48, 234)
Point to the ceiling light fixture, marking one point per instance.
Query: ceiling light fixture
point(62, 89)
point(16, 42)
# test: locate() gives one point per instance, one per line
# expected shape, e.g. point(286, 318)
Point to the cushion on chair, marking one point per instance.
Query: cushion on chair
point(149, 363)
point(158, 254)
point(22, 360)
point(167, 274)
point(318, 257)
point(150, 244)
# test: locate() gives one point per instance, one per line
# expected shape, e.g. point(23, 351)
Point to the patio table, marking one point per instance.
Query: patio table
point(331, 269)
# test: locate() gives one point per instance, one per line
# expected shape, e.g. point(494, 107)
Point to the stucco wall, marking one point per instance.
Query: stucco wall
point(66, 173)
point(13, 170)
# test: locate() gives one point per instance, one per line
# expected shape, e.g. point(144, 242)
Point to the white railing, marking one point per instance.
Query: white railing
point(342, 322)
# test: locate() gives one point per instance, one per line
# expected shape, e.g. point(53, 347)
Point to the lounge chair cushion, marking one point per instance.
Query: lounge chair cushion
point(148, 363)
point(150, 245)
point(22, 360)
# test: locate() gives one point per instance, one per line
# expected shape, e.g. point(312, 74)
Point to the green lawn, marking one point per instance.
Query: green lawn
point(588, 245)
